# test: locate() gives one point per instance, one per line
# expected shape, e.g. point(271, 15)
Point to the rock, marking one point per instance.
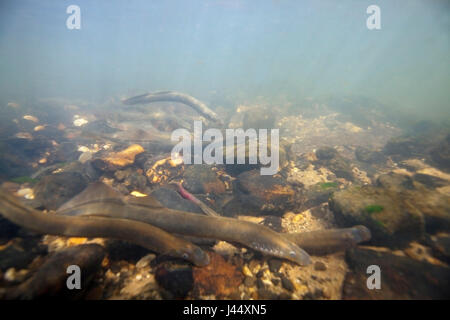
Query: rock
point(249, 281)
point(260, 284)
point(275, 281)
point(234, 168)
point(326, 153)
point(259, 194)
point(53, 190)
point(329, 158)
point(405, 147)
point(275, 265)
point(320, 266)
point(8, 229)
point(401, 277)
point(413, 164)
point(65, 152)
point(318, 194)
point(173, 200)
point(99, 127)
point(111, 161)
point(50, 279)
point(273, 222)
point(145, 260)
point(440, 246)
point(177, 280)
point(313, 295)
point(365, 155)
point(395, 182)
point(120, 175)
point(266, 294)
point(161, 168)
point(123, 250)
point(201, 179)
point(20, 252)
point(219, 278)
point(432, 144)
point(391, 218)
point(287, 284)
point(434, 206)
point(429, 181)
point(258, 117)
point(135, 181)
point(441, 154)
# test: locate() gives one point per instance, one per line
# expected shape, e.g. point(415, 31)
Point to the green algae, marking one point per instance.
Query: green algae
point(374, 208)
point(24, 179)
point(328, 185)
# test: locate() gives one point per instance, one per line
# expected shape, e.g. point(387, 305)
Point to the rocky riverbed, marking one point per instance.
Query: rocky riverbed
point(337, 171)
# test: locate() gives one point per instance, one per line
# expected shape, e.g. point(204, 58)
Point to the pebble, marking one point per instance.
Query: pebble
point(13, 275)
point(287, 284)
point(246, 271)
point(320, 266)
point(318, 293)
point(79, 122)
point(145, 260)
point(27, 193)
point(260, 273)
point(260, 284)
point(254, 266)
point(275, 281)
point(275, 265)
point(267, 294)
point(285, 296)
point(249, 281)
point(31, 118)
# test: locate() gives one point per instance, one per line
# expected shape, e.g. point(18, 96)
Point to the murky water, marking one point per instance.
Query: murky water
point(351, 101)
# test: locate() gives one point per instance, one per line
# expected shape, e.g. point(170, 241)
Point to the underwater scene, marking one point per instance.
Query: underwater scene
point(225, 150)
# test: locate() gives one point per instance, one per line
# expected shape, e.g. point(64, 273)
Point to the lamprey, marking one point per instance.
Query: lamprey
point(143, 234)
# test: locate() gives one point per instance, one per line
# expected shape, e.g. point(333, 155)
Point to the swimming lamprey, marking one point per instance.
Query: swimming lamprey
point(143, 234)
point(321, 242)
point(174, 96)
point(99, 199)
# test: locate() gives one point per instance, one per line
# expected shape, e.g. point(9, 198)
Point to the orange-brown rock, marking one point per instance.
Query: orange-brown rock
point(125, 157)
point(118, 160)
point(219, 278)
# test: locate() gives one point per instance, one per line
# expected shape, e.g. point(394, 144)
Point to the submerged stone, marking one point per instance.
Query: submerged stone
point(201, 179)
point(53, 190)
point(177, 280)
point(259, 194)
point(219, 278)
point(329, 158)
point(391, 219)
point(51, 278)
point(401, 277)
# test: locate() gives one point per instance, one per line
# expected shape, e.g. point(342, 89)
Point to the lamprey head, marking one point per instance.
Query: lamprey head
point(285, 250)
point(296, 254)
point(360, 234)
point(193, 254)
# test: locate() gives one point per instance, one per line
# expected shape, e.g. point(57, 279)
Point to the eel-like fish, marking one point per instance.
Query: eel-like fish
point(174, 96)
point(143, 234)
point(319, 242)
point(99, 199)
